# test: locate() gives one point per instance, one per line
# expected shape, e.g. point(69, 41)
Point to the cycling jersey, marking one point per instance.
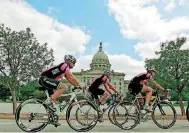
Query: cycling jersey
point(96, 82)
point(141, 77)
point(56, 72)
point(135, 86)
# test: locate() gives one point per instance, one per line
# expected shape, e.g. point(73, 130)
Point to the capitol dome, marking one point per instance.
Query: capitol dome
point(100, 60)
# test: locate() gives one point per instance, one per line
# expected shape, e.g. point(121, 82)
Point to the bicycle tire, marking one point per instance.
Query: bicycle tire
point(17, 114)
point(110, 115)
point(137, 116)
point(77, 118)
point(174, 117)
point(187, 112)
point(84, 129)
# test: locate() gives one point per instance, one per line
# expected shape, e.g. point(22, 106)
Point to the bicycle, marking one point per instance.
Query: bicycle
point(114, 99)
point(47, 116)
point(157, 102)
point(187, 112)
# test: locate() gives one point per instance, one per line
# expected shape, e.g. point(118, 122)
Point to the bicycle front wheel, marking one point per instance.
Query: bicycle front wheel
point(187, 112)
point(110, 115)
point(164, 115)
point(126, 115)
point(32, 115)
point(82, 116)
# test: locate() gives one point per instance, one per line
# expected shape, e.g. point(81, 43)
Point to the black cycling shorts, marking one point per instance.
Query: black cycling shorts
point(135, 88)
point(96, 92)
point(49, 84)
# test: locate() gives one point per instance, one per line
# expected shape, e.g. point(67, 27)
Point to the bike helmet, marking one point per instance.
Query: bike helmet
point(70, 58)
point(107, 71)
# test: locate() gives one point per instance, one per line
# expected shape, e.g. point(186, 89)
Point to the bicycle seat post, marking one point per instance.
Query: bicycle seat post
point(47, 94)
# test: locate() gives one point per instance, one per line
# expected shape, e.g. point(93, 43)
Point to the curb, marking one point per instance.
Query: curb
point(63, 117)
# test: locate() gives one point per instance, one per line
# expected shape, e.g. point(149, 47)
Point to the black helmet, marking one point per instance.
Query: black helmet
point(70, 58)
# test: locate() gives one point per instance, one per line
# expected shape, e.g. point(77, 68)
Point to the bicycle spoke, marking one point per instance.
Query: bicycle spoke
point(164, 115)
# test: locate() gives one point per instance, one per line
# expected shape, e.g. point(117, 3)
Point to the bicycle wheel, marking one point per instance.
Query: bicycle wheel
point(110, 115)
point(32, 115)
point(128, 115)
point(187, 112)
point(165, 113)
point(82, 116)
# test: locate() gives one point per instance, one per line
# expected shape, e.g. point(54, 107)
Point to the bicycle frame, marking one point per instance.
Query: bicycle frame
point(94, 101)
point(62, 107)
point(155, 101)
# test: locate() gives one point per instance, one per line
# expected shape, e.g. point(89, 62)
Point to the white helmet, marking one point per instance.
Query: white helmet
point(70, 58)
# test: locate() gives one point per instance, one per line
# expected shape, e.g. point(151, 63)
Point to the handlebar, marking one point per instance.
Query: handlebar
point(116, 96)
point(164, 92)
point(75, 88)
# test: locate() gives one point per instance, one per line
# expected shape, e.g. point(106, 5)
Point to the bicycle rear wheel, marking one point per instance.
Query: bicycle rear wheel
point(32, 115)
point(164, 115)
point(82, 116)
point(128, 115)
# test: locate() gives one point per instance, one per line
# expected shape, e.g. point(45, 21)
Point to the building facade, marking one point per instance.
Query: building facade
point(100, 61)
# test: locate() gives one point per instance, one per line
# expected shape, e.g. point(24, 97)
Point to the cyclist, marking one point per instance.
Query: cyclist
point(95, 90)
point(140, 84)
point(50, 78)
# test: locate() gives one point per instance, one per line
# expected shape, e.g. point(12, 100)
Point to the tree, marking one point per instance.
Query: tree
point(172, 66)
point(22, 58)
point(27, 90)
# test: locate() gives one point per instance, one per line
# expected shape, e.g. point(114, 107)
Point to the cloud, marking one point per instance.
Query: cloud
point(141, 20)
point(170, 6)
point(120, 63)
point(18, 15)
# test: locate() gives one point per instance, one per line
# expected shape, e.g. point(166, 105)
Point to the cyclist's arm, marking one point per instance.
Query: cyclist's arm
point(111, 86)
point(71, 78)
point(106, 87)
point(156, 84)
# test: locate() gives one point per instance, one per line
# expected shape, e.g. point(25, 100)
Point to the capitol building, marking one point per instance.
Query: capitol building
point(100, 61)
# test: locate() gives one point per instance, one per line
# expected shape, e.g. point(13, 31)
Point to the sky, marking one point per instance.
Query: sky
point(130, 30)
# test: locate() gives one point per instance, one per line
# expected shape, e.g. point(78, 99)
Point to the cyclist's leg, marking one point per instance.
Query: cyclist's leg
point(148, 92)
point(51, 84)
point(94, 94)
point(60, 89)
point(104, 94)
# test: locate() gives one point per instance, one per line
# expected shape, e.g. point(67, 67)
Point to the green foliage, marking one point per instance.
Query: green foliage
point(172, 67)
point(22, 58)
point(39, 94)
point(26, 91)
point(5, 92)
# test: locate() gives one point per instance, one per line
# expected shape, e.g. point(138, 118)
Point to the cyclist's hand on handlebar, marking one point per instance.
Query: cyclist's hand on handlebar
point(82, 86)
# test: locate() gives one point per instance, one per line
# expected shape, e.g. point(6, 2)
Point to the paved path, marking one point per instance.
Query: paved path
point(106, 126)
